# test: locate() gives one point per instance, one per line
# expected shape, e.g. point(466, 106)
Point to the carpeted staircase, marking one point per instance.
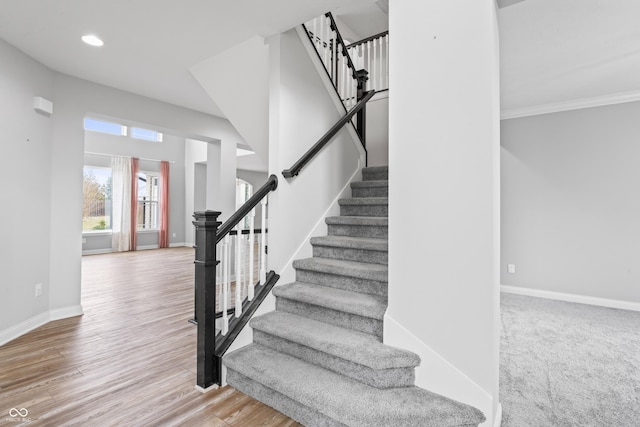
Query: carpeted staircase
point(319, 358)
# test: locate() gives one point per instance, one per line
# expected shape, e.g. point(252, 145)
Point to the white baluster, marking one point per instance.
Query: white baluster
point(386, 60)
point(374, 81)
point(263, 243)
point(369, 55)
point(238, 298)
point(226, 284)
point(251, 285)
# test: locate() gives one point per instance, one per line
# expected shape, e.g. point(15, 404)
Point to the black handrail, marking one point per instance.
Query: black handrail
point(269, 186)
point(322, 142)
point(342, 44)
point(374, 37)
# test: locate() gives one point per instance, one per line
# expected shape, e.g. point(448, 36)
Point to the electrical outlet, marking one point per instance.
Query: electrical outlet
point(84, 240)
point(174, 234)
point(38, 289)
point(511, 268)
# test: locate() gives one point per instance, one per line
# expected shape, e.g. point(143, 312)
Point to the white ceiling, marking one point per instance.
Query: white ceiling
point(556, 51)
point(552, 51)
point(149, 44)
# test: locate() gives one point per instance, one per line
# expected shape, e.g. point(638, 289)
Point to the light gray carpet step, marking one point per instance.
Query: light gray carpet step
point(315, 396)
point(370, 188)
point(348, 275)
point(360, 249)
point(375, 173)
point(358, 226)
point(347, 352)
point(351, 310)
point(364, 206)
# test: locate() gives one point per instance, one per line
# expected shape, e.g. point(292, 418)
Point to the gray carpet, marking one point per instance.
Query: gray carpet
point(319, 358)
point(565, 364)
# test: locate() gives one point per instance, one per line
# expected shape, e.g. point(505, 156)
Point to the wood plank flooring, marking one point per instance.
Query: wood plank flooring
point(128, 361)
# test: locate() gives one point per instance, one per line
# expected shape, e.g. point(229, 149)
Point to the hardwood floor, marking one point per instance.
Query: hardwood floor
point(128, 361)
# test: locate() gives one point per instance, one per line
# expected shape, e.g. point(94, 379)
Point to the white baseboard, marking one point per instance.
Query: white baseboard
point(97, 252)
point(146, 248)
point(437, 374)
point(497, 422)
point(23, 327)
point(178, 245)
point(65, 312)
point(36, 321)
point(581, 299)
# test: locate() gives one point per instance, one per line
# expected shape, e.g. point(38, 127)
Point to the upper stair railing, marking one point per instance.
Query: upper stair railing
point(372, 54)
point(223, 307)
point(349, 82)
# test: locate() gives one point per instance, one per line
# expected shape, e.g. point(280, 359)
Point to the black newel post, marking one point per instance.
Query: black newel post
point(209, 366)
point(362, 76)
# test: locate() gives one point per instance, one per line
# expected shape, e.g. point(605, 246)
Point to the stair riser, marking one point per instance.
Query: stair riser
point(334, 317)
point(375, 175)
point(354, 284)
point(370, 192)
point(364, 210)
point(379, 378)
point(351, 254)
point(359, 231)
point(291, 408)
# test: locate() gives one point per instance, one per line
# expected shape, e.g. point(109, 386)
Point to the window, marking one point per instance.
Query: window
point(95, 125)
point(146, 134)
point(96, 206)
point(148, 197)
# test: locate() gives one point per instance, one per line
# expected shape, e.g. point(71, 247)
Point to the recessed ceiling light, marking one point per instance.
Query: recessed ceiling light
point(92, 40)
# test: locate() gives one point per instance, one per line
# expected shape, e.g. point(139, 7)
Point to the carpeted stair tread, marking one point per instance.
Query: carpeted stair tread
point(347, 344)
point(364, 201)
point(360, 270)
point(375, 173)
point(378, 221)
point(351, 242)
point(342, 399)
point(364, 305)
point(374, 188)
point(369, 184)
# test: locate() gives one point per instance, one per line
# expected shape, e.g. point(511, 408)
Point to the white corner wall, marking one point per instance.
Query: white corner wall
point(444, 196)
point(571, 205)
point(25, 166)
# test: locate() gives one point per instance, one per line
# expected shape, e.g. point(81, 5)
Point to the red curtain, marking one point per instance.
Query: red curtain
point(135, 168)
point(163, 235)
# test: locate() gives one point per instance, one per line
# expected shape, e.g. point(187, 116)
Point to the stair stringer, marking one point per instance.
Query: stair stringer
point(287, 272)
point(438, 375)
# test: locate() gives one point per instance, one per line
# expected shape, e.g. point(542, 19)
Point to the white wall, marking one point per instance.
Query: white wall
point(444, 196)
point(378, 130)
point(570, 202)
point(300, 204)
point(238, 80)
point(76, 98)
point(25, 165)
point(55, 177)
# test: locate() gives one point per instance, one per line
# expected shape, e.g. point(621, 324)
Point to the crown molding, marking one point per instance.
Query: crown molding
point(575, 104)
